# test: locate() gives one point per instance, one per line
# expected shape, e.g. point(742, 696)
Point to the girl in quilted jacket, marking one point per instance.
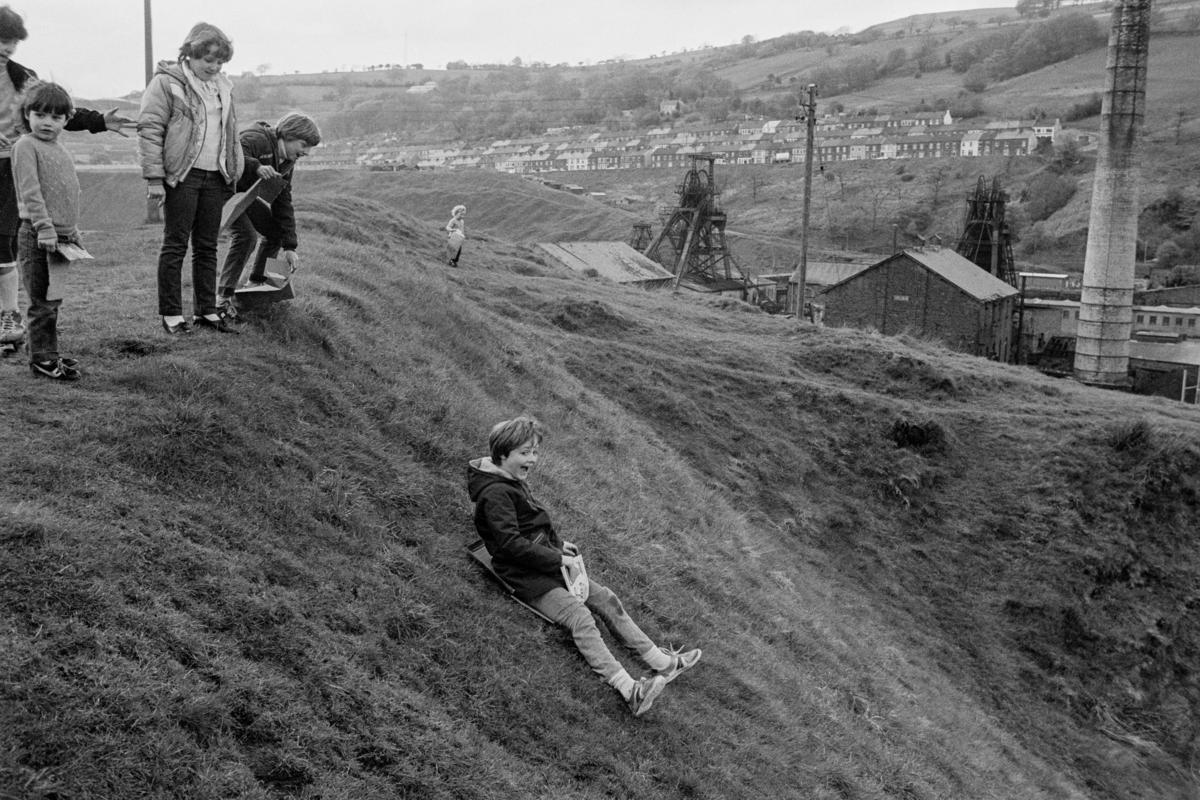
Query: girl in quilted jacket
point(191, 158)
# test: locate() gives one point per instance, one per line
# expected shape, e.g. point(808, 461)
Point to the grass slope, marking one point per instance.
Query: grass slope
point(235, 567)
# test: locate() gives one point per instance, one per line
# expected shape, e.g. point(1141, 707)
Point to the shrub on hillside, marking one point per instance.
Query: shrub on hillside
point(1088, 108)
point(1183, 275)
point(1048, 193)
point(1168, 254)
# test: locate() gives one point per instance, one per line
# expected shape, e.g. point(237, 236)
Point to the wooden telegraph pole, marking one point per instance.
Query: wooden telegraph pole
point(149, 43)
point(800, 276)
point(153, 213)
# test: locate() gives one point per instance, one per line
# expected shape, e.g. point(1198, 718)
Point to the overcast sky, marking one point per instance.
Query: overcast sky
point(96, 47)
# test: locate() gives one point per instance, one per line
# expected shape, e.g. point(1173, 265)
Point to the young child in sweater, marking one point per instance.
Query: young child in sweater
point(15, 79)
point(527, 552)
point(48, 205)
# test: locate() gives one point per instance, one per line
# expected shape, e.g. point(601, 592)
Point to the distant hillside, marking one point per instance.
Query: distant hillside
point(857, 206)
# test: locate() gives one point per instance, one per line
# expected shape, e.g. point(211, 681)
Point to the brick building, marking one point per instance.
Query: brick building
point(931, 292)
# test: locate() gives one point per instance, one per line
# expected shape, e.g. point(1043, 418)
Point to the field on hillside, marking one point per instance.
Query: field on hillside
point(235, 566)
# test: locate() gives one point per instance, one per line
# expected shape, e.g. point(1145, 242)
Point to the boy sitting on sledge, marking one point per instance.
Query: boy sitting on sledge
point(528, 553)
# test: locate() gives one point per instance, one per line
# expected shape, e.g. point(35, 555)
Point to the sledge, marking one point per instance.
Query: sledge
point(478, 551)
point(274, 289)
point(264, 191)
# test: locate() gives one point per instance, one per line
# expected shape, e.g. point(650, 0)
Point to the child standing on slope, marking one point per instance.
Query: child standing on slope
point(527, 552)
point(187, 135)
point(14, 80)
point(456, 233)
point(48, 204)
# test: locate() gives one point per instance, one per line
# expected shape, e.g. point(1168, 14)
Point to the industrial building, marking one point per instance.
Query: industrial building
point(932, 292)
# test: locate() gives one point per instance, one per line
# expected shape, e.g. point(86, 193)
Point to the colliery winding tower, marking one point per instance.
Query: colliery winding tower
point(986, 239)
point(692, 242)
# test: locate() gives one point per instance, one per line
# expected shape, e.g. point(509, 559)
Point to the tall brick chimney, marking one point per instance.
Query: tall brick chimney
point(1106, 305)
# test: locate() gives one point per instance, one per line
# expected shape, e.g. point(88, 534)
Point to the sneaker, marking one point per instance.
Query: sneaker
point(178, 329)
point(220, 324)
point(644, 693)
point(681, 661)
point(227, 311)
point(11, 328)
point(55, 370)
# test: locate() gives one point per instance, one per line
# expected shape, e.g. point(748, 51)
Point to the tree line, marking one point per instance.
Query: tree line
point(515, 100)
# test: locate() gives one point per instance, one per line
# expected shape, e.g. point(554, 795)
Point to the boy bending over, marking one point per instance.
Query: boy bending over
point(270, 153)
point(527, 552)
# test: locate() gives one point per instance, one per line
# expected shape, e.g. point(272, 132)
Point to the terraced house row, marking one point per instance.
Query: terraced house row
point(775, 142)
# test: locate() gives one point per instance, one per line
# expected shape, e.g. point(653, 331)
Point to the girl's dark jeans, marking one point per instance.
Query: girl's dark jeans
point(191, 212)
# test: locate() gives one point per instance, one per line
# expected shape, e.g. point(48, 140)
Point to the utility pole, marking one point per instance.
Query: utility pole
point(149, 43)
point(800, 276)
point(153, 212)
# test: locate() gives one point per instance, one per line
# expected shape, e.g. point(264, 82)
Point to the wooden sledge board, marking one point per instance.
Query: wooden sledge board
point(479, 552)
point(263, 191)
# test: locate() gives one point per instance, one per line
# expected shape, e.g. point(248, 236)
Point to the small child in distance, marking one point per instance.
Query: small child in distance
point(456, 233)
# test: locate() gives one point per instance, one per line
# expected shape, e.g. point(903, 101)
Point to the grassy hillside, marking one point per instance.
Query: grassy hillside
point(235, 566)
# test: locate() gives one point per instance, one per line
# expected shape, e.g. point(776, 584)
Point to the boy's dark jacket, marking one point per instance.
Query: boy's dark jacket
point(525, 549)
point(260, 144)
point(83, 119)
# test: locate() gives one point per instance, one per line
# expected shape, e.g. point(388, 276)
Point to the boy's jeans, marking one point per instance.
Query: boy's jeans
point(42, 320)
point(575, 615)
point(243, 234)
point(191, 210)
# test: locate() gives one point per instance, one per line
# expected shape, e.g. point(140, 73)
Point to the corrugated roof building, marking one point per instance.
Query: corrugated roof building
point(931, 292)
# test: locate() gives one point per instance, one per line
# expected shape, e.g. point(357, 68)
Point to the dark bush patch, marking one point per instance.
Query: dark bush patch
point(923, 436)
point(590, 316)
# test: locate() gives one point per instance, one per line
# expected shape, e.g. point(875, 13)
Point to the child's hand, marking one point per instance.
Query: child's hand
point(267, 172)
point(292, 258)
point(570, 549)
point(48, 240)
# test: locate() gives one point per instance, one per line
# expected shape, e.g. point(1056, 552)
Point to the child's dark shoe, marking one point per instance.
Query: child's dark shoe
point(644, 693)
point(55, 369)
point(219, 324)
point(177, 328)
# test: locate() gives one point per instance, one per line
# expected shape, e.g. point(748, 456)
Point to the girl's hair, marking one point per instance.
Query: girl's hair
point(49, 98)
point(203, 38)
point(12, 26)
point(298, 126)
point(509, 435)
point(458, 210)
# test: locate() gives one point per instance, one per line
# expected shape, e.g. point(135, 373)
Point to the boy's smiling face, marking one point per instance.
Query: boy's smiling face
point(294, 149)
point(520, 460)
